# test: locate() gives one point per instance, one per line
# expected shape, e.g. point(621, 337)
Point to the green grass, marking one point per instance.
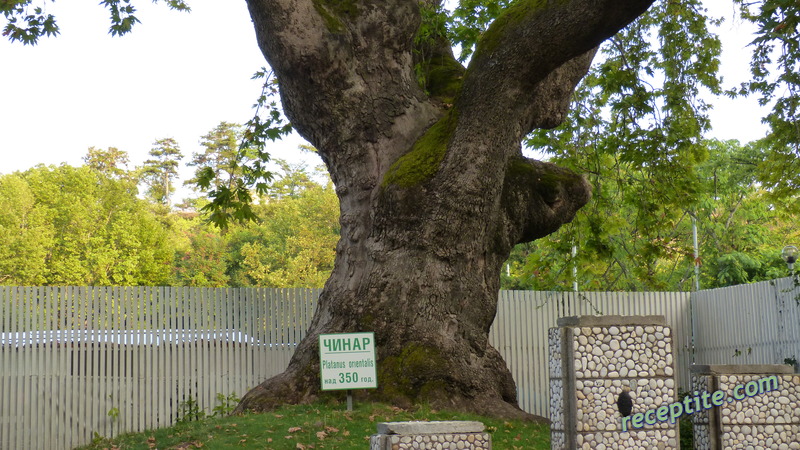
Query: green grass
point(315, 427)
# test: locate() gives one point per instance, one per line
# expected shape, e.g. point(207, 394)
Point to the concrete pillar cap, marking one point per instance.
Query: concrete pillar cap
point(436, 427)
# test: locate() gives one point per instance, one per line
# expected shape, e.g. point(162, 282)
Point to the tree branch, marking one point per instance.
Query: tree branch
point(291, 34)
point(339, 63)
point(549, 99)
point(531, 40)
point(538, 198)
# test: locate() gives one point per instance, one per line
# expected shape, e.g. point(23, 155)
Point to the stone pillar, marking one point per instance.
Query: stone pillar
point(592, 360)
point(431, 435)
point(769, 418)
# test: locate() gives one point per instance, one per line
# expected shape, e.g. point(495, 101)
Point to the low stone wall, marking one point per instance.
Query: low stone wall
point(431, 435)
point(765, 420)
point(592, 360)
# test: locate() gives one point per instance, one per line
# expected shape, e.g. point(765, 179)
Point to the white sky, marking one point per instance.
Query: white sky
point(178, 75)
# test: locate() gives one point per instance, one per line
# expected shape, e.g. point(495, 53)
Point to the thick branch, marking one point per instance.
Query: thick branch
point(292, 35)
point(531, 40)
point(549, 100)
point(345, 68)
point(538, 198)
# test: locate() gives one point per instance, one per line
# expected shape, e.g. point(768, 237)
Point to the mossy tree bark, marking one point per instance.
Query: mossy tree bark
point(433, 187)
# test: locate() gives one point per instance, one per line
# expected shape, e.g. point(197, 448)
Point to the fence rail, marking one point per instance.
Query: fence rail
point(77, 361)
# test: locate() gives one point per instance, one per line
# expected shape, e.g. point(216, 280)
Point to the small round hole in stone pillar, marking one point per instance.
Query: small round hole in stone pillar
point(625, 402)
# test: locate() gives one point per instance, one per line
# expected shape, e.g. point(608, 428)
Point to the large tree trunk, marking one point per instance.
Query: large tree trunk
point(433, 187)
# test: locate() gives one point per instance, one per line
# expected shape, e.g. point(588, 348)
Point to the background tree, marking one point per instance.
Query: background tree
point(223, 173)
point(775, 66)
point(111, 162)
point(81, 228)
point(26, 234)
point(205, 261)
point(294, 243)
point(742, 229)
point(220, 156)
point(293, 180)
point(740, 233)
point(159, 173)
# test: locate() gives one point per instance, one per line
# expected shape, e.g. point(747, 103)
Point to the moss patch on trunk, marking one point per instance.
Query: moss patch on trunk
point(512, 16)
point(425, 157)
point(418, 371)
point(332, 12)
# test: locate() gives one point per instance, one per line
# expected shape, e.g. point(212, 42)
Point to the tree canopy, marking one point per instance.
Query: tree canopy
point(77, 226)
point(90, 225)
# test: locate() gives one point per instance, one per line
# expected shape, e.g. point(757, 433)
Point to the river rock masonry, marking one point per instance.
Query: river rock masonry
point(593, 359)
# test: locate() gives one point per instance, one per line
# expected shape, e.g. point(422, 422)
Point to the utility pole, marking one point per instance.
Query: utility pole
point(696, 255)
point(696, 283)
point(574, 268)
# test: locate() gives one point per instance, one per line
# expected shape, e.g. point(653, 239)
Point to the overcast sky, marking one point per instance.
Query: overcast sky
point(178, 75)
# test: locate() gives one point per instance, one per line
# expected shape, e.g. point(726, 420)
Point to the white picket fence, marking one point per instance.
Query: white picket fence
point(80, 361)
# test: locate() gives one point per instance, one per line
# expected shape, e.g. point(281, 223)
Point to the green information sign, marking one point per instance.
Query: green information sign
point(347, 361)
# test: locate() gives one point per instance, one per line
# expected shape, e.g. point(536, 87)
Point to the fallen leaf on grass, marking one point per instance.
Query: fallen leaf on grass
point(321, 435)
point(295, 429)
point(331, 430)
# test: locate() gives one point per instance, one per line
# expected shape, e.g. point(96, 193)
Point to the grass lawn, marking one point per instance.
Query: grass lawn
point(319, 426)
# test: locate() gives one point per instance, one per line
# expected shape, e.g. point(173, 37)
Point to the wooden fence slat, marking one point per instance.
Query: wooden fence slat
point(5, 368)
point(50, 386)
point(196, 356)
point(164, 361)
